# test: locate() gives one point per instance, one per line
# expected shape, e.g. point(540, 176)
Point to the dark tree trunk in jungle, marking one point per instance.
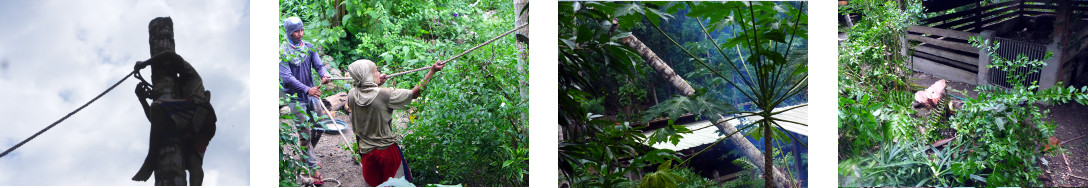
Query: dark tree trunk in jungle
point(749, 149)
point(752, 153)
point(767, 146)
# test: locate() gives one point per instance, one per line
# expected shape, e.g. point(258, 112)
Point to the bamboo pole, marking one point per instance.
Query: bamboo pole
point(450, 59)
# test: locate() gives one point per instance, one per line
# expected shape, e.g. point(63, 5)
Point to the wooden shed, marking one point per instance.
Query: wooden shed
point(1022, 27)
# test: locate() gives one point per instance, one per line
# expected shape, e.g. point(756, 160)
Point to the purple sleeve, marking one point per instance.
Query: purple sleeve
point(290, 82)
point(321, 72)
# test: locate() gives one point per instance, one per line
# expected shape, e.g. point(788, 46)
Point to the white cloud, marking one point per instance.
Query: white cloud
point(56, 55)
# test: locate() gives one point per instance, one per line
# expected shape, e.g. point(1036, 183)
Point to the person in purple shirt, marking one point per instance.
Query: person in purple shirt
point(297, 59)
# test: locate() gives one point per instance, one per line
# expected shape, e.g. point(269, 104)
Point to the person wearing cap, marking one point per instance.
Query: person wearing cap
point(297, 59)
point(371, 109)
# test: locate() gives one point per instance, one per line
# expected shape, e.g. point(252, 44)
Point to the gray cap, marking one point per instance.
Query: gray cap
point(292, 24)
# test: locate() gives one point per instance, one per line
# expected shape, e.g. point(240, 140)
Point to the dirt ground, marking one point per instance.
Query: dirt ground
point(1072, 121)
point(338, 164)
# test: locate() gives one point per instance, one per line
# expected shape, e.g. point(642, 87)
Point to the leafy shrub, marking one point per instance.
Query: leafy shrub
point(1005, 127)
point(592, 57)
point(999, 132)
point(290, 148)
point(998, 142)
point(874, 92)
point(904, 163)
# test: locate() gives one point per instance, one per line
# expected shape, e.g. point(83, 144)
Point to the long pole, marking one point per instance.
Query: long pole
point(333, 120)
point(451, 58)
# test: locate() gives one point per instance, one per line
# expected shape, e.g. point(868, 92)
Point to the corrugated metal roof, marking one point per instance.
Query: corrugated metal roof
point(797, 115)
point(710, 134)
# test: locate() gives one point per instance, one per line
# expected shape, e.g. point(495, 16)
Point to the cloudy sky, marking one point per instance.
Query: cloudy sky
point(57, 55)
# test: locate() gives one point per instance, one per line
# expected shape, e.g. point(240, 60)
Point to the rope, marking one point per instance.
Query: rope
point(451, 58)
point(69, 115)
point(331, 180)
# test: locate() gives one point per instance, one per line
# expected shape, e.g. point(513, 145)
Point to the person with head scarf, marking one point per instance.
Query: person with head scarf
point(371, 110)
point(297, 59)
point(181, 115)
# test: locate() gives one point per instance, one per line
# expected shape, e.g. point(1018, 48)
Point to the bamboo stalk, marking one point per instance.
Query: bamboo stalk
point(1081, 136)
point(450, 59)
point(1070, 170)
point(1075, 176)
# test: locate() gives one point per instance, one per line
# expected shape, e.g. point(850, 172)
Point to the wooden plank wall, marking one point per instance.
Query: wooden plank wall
point(944, 52)
point(972, 17)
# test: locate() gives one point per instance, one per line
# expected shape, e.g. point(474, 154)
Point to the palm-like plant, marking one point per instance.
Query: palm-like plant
point(770, 76)
point(594, 40)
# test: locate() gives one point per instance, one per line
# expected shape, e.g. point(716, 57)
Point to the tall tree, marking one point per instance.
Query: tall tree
point(522, 17)
point(750, 151)
point(768, 32)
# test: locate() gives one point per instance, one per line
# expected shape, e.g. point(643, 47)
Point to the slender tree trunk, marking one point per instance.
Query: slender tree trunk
point(752, 153)
point(749, 149)
point(523, 54)
point(659, 65)
point(797, 159)
point(768, 160)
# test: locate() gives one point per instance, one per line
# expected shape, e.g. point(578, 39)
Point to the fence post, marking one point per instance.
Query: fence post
point(984, 58)
point(978, 16)
point(1049, 76)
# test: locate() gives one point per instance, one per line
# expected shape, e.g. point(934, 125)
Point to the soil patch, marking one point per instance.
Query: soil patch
point(339, 164)
point(1072, 120)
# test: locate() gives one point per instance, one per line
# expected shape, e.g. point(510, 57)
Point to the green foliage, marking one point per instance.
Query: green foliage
point(870, 59)
point(749, 177)
point(673, 177)
point(290, 147)
point(592, 56)
point(352, 149)
point(874, 91)
point(699, 103)
point(599, 161)
point(1000, 134)
point(1003, 127)
point(470, 125)
point(662, 178)
point(904, 163)
point(1006, 127)
point(471, 129)
point(865, 122)
point(768, 36)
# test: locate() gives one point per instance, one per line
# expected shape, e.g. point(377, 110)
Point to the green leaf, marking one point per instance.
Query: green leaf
point(1000, 123)
point(775, 35)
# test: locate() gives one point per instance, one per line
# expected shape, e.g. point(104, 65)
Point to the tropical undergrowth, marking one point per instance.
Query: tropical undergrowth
point(1000, 135)
point(874, 90)
point(470, 125)
point(764, 39)
point(292, 151)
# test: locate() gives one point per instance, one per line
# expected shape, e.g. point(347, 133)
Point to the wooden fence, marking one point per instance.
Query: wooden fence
point(940, 42)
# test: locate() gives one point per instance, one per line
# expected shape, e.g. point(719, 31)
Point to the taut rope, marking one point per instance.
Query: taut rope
point(69, 115)
point(451, 58)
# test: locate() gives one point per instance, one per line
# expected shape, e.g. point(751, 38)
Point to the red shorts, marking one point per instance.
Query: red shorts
point(380, 165)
